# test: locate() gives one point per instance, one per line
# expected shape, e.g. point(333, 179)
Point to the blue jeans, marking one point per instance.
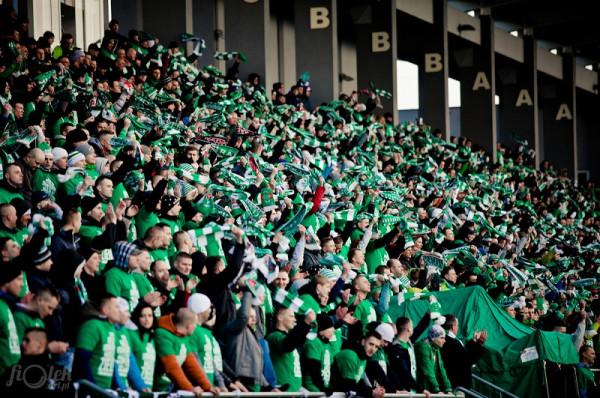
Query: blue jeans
point(268, 370)
point(66, 360)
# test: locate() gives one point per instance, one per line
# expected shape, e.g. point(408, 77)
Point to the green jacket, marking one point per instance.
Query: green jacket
point(430, 367)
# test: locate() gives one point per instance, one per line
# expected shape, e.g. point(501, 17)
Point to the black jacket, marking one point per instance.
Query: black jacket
point(216, 287)
point(399, 374)
point(458, 360)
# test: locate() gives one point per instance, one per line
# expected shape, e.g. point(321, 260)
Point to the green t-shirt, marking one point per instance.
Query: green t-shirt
point(88, 233)
point(24, 321)
point(122, 284)
point(585, 378)
point(145, 355)
point(123, 353)
point(349, 366)
point(143, 284)
point(375, 258)
point(7, 196)
point(310, 302)
point(145, 220)
point(365, 312)
point(45, 181)
point(99, 337)
point(201, 342)
point(286, 364)
point(169, 344)
point(119, 193)
point(18, 235)
point(10, 348)
point(69, 187)
point(317, 350)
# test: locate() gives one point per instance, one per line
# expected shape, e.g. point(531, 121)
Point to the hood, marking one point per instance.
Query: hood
point(166, 322)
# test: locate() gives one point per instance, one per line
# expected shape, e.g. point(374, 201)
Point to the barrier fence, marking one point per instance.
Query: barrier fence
point(85, 389)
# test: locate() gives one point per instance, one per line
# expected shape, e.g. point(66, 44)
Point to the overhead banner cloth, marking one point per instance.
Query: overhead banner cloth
point(515, 353)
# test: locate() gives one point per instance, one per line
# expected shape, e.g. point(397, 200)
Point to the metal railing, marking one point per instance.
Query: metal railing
point(85, 389)
point(470, 393)
point(498, 391)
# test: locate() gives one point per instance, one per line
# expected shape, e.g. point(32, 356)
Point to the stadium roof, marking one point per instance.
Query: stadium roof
point(571, 23)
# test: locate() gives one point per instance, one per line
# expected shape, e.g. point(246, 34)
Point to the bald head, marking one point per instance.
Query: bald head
point(34, 342)
point(34, 158)
point(185, 321)
point(8, 215)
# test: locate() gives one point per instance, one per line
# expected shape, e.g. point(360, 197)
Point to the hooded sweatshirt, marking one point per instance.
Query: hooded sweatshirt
point(177, 363)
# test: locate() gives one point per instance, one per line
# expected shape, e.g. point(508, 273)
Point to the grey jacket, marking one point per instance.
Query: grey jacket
point(242, 350)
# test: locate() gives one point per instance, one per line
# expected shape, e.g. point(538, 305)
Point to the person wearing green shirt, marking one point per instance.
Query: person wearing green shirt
point(170, 209)
point(147, 217)
point(201, 341)
point(31, 315)
point(317, 293)
point(127, 373)
point(143, 341)
point(12, 184)
point(356, 257)
point(178, 368)
point(349, 367)
point(430, 366)
point(586, 381)
point(11, 283)
point(317, 357)
point(284, 344)
point(118, 280)
point(364, 310)
point(44, 179)
point(8, 223)
point(96, 345)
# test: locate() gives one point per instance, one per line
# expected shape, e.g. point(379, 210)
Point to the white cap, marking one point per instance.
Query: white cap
point(198, 303)
point(386, 331)
point(59, 153)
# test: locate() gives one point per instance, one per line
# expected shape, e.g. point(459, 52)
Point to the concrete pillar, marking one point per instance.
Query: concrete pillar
point(377, 52)
point(433, 71)
point(286, 35)
point(559, 121)
point(246, 30)
point(44, 18)
point(203, 26)
point(317, 46)
point(519, 104)
point(95, 21)
point(477, 91)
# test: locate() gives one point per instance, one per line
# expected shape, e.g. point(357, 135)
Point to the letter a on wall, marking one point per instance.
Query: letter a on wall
point(481, 81)
point(523, 98)
point(564, 112)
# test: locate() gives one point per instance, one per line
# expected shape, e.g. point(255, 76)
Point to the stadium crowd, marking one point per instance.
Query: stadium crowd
point(170, 227)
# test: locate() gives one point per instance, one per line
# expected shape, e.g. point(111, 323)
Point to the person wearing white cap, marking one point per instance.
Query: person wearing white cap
point(44, 179)
point(430, 365)
point(377, 366)
point(60, 156)
point(127, 372)
point(204, 344)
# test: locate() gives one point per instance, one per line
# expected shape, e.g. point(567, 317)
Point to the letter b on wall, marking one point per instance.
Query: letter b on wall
point(380, 42)
point(319, 18)
point(433, 63)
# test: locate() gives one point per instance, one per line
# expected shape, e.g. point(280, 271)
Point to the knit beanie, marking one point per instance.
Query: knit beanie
point(435, 331)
